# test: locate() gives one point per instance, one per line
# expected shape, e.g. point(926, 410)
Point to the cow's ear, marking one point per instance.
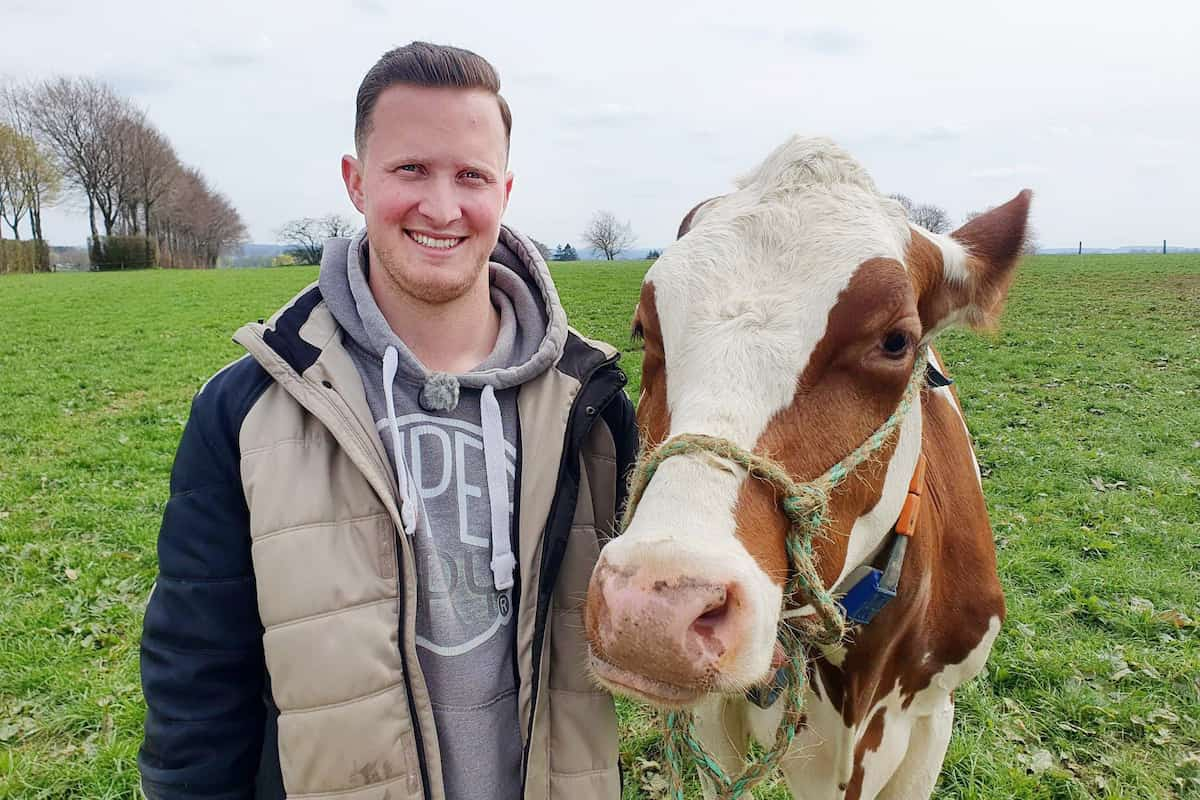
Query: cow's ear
point(964, 277)
point(686, 224)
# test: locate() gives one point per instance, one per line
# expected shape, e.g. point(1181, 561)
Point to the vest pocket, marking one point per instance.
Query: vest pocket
point(352, 745)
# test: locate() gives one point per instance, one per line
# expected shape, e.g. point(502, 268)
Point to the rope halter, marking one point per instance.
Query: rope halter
point(806, 506)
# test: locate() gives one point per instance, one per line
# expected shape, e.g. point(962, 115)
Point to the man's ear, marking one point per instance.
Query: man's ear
point(352, 177)
point(964, 277)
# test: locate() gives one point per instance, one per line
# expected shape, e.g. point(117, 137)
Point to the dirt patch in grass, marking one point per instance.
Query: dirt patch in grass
point(124, 402)
point(1188, 286)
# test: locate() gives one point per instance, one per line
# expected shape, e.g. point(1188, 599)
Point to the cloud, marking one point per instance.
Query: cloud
point(232, 59)
point(530, 79)
point(1008, 171)
point(937, 135)
point(608, 115)
point(235, 55)
point(374, 7)
point(1082, 131)
point(825, 41)
point(1154, 165)
point(139, 83)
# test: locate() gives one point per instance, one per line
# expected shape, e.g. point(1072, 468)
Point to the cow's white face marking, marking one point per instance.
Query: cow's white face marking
point(743, 299)
point(954, 257)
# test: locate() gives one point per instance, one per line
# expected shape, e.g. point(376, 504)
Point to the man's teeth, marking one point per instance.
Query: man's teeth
point(429, 241)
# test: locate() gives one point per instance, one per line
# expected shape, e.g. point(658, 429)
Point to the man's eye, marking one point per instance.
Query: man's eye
point(408, 168)
point(474, 175)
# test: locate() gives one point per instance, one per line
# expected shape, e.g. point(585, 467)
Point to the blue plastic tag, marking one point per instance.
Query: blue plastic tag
point(764, 695)
point(866, 597)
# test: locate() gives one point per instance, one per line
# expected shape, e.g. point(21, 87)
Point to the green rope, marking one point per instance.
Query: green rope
point(806, 506)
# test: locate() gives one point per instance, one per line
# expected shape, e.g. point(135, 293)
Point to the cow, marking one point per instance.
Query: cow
point(788, 321)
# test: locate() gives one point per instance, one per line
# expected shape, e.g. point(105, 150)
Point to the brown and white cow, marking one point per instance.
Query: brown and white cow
point(787, 319)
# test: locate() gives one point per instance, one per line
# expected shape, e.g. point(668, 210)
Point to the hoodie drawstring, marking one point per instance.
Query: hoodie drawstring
point(408, 502)
point(492, 423)
point(503, 562)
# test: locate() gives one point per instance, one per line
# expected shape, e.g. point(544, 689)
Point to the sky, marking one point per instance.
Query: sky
point(643, 109)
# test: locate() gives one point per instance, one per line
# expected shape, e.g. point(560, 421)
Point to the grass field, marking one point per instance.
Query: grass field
point(1085, 409)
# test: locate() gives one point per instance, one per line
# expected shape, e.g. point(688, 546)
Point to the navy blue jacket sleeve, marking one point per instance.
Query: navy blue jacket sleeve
point(202, 655)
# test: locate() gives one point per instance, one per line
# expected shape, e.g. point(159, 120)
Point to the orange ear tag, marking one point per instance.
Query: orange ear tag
point(912, 503)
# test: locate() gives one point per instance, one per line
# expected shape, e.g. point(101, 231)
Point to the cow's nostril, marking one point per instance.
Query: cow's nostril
point(715, 613)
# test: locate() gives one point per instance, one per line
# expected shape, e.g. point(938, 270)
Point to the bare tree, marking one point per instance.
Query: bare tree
point(608, 235)
point(541, 248)
point(154, 166)
point(336, 226)
point(116, 195)
point(79, 119)
point(1030, 248)
point(905, 202)
point(14, 202)
point(195, 225)
point(306, 236)
point(932, 218)
point(40, 178)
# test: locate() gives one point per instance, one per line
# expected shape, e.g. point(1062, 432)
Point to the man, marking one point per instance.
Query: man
point(383, 518)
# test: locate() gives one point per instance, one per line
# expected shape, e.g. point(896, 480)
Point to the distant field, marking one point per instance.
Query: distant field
point(1085, 408)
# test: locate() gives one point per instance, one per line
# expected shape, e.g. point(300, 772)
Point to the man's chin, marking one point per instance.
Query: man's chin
point(429, 283)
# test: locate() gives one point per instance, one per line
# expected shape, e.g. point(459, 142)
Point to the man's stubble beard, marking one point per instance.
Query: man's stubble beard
point(418, 287)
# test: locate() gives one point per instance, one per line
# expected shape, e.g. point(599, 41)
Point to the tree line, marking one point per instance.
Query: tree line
point(936, 219)
point(77, 135)
point(604, 233)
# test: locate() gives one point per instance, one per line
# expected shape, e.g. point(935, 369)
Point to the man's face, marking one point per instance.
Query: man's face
point(432, 183)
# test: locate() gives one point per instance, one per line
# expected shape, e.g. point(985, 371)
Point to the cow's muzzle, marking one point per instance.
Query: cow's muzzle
point(663, 638)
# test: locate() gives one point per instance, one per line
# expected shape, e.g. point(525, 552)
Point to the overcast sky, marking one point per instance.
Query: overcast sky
point(641, 110)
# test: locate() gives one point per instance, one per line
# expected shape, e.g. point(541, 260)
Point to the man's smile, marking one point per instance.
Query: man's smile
point(435, 242)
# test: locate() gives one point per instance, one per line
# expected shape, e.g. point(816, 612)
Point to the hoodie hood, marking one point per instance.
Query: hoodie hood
point(533, 326)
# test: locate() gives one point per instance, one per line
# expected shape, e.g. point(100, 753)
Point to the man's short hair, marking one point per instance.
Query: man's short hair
point(424, 64)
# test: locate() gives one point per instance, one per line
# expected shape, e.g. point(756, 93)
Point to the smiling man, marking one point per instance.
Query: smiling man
point(382, 519)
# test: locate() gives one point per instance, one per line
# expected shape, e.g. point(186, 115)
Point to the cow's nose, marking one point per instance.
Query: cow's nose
point(677, 629)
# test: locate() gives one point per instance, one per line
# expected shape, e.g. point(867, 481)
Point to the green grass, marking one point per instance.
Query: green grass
point(1085, 408)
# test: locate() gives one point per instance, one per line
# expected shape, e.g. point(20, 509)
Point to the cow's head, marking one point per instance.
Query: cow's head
point(785, 319)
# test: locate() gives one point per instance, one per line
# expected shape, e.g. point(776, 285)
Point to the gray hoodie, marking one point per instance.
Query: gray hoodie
point(457, 439)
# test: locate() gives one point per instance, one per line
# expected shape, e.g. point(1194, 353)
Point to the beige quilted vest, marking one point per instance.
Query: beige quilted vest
point(329, 592)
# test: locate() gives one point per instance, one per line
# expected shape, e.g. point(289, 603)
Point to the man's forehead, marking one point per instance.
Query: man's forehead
point(437, 118)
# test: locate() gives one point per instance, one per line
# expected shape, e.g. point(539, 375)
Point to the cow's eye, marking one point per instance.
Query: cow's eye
point(895, 344)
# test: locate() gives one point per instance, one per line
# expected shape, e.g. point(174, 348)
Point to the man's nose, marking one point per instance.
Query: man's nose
point(439, 204)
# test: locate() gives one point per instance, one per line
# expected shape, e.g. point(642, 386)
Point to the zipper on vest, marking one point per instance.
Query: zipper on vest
point(518, 578)
point(540, 635)
point(412, 704)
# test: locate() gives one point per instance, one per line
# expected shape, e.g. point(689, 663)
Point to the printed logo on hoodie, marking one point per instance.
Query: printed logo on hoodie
point(459, 608)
